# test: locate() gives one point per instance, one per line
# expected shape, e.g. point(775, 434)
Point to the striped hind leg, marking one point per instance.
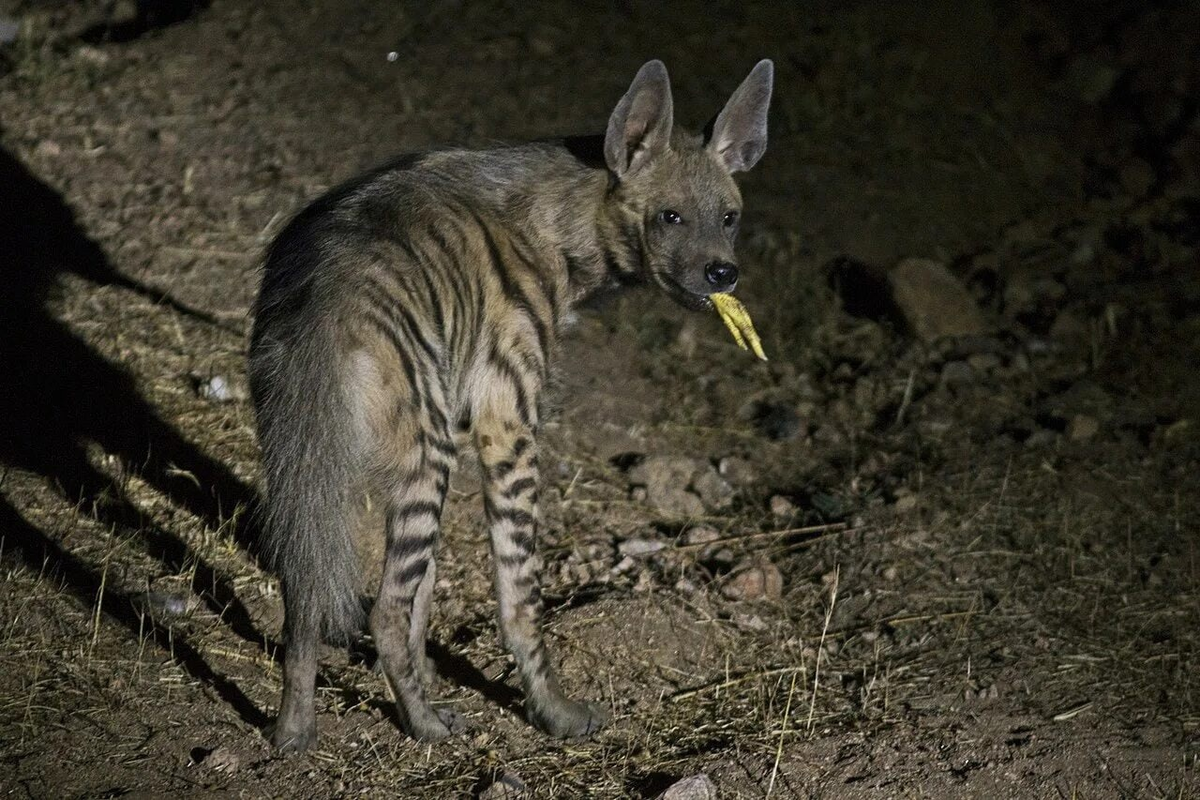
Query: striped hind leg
point(509, 461)
point(400, 617)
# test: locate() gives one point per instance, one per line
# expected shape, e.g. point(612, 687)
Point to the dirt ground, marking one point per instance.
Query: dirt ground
point(905, 566)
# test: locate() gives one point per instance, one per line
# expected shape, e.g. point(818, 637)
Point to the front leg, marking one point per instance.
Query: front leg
point(508, 456)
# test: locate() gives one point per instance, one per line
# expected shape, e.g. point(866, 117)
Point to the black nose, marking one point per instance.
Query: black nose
point(721, 274)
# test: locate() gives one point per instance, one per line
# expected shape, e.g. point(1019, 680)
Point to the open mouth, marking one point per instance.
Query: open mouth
point(685, 297)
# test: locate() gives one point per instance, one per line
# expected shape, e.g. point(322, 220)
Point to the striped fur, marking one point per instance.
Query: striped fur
point(425, 299)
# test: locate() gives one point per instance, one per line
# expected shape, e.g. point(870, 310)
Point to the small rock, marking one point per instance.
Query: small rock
point(737, 471)
point(758, 581)
point(696, 787)
point(661, 470)
point(984, 362)
point(222, 759)
point(48, 148)
point(638, 494)
point(92, 55)
point(905, 503)
point(1083, 254)
point(957, 373)
point(218, 389)
point(624, 565)
point(684, 586)
point(1178, 431)
point(712, 489)
point(508, 786)
point(1082, 427)
point(750, 622)
point(781, 507)
point(644, 582)
point(9, 30)
point(701, 534)
point(933, 301)
point(123, 12)
point(666, 479)
point(1042, 437)
point(639, 547)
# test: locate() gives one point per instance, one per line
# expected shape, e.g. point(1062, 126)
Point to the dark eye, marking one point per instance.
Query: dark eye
point(670, 217)
point(731, 218)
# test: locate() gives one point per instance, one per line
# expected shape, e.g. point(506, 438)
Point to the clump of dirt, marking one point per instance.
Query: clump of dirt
point(942, 543)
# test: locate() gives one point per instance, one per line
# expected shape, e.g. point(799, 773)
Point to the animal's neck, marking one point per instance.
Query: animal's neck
point(596, 241)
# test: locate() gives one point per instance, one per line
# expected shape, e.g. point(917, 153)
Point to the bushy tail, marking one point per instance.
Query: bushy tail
point(310, 464)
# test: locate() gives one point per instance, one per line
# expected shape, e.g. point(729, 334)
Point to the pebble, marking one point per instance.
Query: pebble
point(1042, 437)
point(624, 565)
point(644, 582)
point(1178, 431)
point(1082, 427)
point(781, 507)
point(218, 389)
point(712, 489)
point(221, 759)
point(9, 30)
point(508, 786)
point(750, 622)
point(984, 362)
point(738, 471)
point(684, 586)
point(695, 787)
point(666, 479)
point(640, 547)
point(757, 581)
point(701, 534)
point(957, 373)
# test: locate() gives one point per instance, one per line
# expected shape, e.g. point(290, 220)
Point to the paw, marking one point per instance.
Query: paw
point(293, 738)
point(455, 722)
point(567, 719)
point(435, 726)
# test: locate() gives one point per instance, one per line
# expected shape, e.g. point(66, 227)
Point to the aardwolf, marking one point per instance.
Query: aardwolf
point(424, 300)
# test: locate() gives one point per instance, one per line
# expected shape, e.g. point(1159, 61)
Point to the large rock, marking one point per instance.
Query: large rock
point(933, 301)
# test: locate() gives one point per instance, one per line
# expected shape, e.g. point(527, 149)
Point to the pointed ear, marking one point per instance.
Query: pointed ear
point(739, 133)
point(640, 126)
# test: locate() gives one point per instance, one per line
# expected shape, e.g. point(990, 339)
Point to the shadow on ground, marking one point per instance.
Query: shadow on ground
point(61, 395)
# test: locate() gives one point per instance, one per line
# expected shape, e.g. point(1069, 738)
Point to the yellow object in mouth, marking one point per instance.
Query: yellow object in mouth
point(737, 319)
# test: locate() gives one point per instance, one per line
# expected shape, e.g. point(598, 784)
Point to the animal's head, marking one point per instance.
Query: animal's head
point(678, 188)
